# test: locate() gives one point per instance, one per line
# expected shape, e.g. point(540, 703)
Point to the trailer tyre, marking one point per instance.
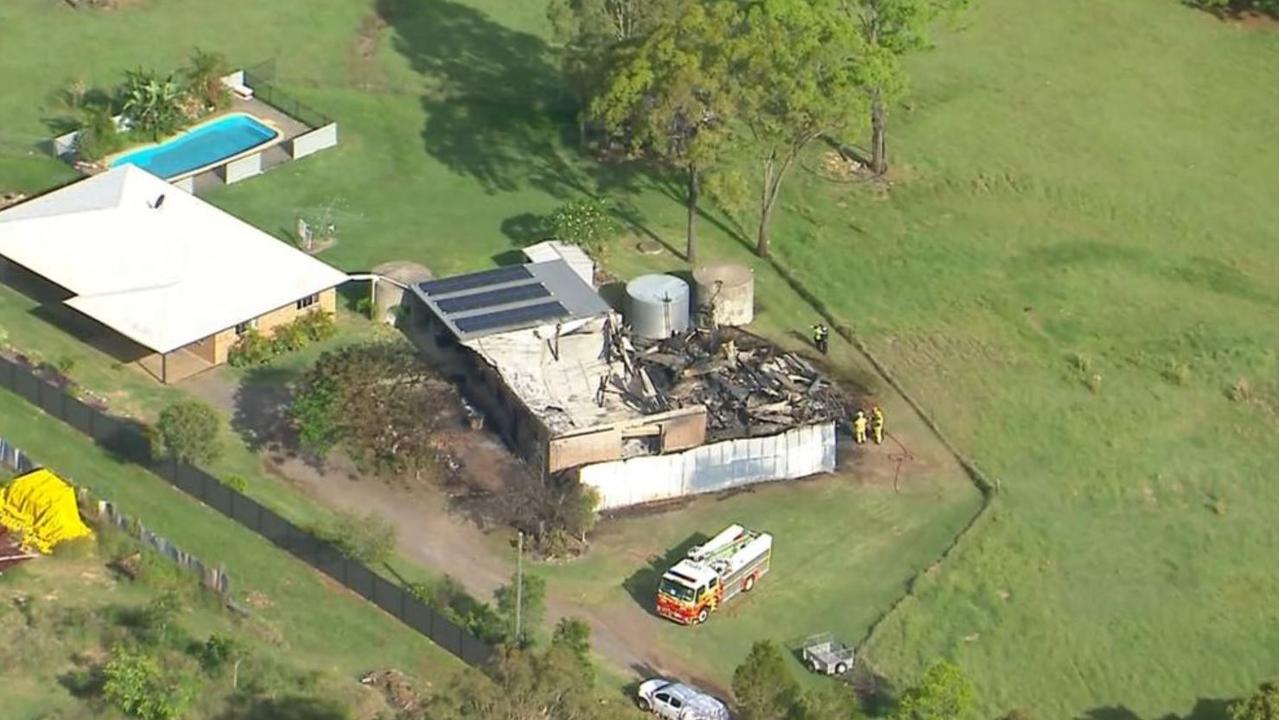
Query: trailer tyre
point(701, 616)
point(749, 584)
point(841, 668)
point(817, 667)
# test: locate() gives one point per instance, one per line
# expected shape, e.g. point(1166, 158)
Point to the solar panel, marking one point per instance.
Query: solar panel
point(512, 317)
point(475, 280)
point(501, 296)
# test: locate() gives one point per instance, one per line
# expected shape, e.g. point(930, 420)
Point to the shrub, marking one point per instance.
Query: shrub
point(136, 686)
point(253, 348)
point(98, 136)
point(236, 483)
point(585, 222)
point(152, 103)
point(288, 338)
point(369, 539)
point(188, 431)
point(317, 325)
point(204, 77)
point(216, 652)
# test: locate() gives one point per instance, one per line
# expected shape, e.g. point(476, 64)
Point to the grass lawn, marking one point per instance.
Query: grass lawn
point(842, 552)
point(1073, 269)
point(310, 619)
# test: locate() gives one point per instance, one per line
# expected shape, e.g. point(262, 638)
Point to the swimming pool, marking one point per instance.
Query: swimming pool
point(201, 146)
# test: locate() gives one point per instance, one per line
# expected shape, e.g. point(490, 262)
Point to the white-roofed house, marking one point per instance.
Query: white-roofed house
point(170, 272)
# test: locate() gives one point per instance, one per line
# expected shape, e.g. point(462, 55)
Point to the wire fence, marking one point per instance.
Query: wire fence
point(127, 440)
point(260, 78)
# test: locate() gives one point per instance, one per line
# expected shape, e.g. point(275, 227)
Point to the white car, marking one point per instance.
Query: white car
point(670, 700)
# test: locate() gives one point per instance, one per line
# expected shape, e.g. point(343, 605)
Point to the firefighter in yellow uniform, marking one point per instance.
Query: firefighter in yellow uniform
point(859, 428)
point(877, 424)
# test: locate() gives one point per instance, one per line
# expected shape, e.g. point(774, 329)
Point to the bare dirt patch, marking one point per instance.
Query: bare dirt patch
point(362, 55)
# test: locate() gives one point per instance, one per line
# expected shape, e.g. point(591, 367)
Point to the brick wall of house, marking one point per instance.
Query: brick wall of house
point(267, 322)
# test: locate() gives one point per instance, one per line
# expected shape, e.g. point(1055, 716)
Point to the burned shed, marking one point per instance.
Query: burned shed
point(560, 375)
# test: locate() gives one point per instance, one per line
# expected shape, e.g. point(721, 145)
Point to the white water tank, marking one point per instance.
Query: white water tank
point(658, 305)
point(726, 293)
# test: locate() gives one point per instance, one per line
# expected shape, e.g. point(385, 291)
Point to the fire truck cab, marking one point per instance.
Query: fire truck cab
point(714, 573)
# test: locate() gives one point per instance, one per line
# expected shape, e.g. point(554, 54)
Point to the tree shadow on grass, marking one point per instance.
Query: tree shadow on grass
point(261, 414)
point(497, 108)
point(1204, 709)
point(642, 584)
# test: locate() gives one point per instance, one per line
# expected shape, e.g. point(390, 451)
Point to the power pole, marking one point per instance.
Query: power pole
point(519, 587)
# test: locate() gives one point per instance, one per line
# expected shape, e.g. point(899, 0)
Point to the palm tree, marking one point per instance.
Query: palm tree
point(205, 75)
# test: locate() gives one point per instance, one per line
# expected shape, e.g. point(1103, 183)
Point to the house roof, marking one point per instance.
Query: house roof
point(153, 262)
point(540, 294)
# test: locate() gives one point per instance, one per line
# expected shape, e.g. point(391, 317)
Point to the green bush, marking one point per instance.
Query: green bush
point(254, 348)
point(136, 686)
point(236, 483)
point(289, 338)
point(98, 136)
point(188, 431)
point(585, 222)
point(317, 325)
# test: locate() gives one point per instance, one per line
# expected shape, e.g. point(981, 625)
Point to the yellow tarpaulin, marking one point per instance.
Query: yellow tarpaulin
point(41, 508)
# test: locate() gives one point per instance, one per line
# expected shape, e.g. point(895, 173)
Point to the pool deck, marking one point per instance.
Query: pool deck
point(273, 156)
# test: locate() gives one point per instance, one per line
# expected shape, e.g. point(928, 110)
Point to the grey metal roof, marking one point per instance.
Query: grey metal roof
point(510, 298)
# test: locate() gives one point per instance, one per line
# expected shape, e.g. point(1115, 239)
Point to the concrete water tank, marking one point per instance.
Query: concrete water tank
point(390, 297)
point(726, 293)
point(658, 305)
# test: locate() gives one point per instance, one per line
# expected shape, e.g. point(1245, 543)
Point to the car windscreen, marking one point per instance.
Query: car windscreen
point(675, 590)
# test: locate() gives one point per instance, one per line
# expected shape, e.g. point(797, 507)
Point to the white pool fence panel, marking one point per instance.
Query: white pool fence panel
point(714, 467)
point(242, 168)
point(314, 141)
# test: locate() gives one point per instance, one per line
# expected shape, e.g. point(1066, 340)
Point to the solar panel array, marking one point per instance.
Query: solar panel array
point(493, 300)
point(489, 298)
point(475, 280)
point(511, 317)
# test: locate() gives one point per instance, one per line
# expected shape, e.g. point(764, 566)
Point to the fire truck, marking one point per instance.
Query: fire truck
point(714, 573)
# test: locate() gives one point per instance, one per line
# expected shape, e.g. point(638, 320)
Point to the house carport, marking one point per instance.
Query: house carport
point(159, 266)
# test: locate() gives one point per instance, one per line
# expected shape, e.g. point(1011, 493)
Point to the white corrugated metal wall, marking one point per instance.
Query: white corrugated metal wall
point(710, 468)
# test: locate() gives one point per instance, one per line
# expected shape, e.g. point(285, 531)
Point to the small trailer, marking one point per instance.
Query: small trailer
point(826, 655)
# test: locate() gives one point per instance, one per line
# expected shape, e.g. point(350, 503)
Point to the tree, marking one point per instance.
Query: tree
point(204, 77)
point(1237, 7)
point(136, 686)
point(591, 30)
point(532, 603)
point(380, 401)
point(188, 431)
point(1261, 705)
point(98, 135)
point(943, 693)
point(152, 104)
point(585, 222)
point(574, 634)
point(555, 684)
point(670, 97)
point(890, 29)
point(796, 70)
point(764, 686)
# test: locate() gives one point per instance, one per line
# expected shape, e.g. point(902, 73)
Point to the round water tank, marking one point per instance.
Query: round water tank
point(659, 306)
point(726, 293)
point(391, 301)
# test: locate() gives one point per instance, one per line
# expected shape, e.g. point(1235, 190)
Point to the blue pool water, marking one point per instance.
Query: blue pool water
point(205, 145)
